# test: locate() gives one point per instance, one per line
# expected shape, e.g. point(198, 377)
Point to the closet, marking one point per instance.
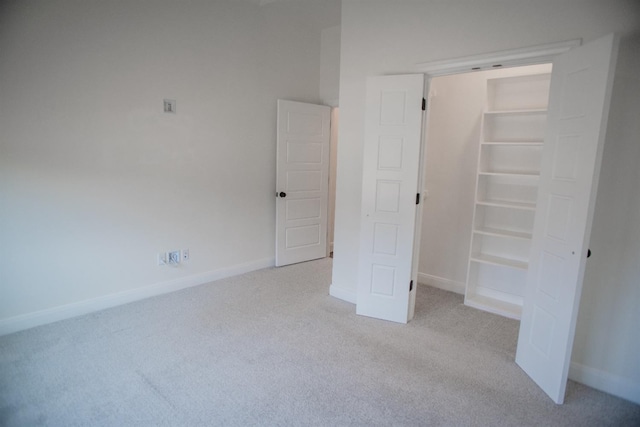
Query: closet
point(484, 220)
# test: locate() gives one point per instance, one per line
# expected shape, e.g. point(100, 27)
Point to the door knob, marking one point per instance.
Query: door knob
point(283, 194)
point(588, 253)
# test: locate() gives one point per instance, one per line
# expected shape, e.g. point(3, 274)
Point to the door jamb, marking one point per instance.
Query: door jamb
point(415, 263)
point(331, 201)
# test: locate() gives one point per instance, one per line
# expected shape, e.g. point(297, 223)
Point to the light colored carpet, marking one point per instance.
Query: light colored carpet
point(272, 348)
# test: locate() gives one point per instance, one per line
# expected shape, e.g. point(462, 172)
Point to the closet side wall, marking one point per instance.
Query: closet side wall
point(455, 109)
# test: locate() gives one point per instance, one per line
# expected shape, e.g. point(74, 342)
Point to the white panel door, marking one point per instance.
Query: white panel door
point(578, 109)
point(302, 181)
point(393, 125)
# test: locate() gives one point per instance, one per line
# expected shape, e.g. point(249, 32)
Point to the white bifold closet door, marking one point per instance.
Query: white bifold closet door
point(391, 169)
point(576, 125)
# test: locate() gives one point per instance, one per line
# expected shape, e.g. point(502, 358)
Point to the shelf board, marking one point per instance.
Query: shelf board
point(514, 143)
point(488, 231)
point(496, 260)
point(527, 174)
point(495, 306)
point(508, 204)
point(516, 112)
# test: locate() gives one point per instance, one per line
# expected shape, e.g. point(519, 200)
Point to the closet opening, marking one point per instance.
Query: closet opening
point(484, 137)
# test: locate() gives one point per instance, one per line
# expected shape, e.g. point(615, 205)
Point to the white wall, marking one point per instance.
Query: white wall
point(330, 66)
point(329, 95)
point(95, 179)
point(455, 108)
point(606, 339)
point(380, 37)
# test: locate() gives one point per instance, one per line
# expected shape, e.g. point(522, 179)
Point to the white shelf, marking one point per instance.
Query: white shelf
point(519, 92)
point(496, 260)
point(514, 143)
point(516, 112)
point(488, 231)
point(510, 173)
point(493, 305)
point(508, 204)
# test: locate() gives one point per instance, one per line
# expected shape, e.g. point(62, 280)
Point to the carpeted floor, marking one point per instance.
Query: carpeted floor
point(272, 348)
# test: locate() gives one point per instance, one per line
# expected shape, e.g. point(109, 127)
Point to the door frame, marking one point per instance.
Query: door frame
point(532, 55)
point(334, 125)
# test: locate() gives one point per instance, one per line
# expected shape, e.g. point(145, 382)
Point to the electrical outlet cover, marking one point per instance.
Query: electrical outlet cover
point(174, 257)
point(185, 254)
point(170, 106)
point(162, 258)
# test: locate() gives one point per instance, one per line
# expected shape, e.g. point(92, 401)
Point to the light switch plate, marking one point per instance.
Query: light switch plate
point(170, 106)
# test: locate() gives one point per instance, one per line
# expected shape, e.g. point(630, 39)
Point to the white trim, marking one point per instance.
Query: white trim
point(50, 315)
point(506, 58)
point(343, 294)
point(331, 102)
point(441, 283)
point(604, 381)
point(494, 294)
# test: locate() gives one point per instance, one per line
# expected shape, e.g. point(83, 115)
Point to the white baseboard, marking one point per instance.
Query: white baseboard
point(343, 294)
point(441, 283)
point(30, 320)
point(604, 381)
point(437, 282)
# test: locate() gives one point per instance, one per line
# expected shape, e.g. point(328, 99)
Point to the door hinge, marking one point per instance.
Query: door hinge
point(418, 199)
point(410, 286)
point(424, 104)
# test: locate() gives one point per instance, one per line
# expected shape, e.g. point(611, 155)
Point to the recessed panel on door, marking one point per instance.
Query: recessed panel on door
point(304, 181)
point(390, 153)
point(558, 217)
point(304, 123)
point(304, 153)
point(542, 331)
point(385, 239)
point(565, 158)
point(388, 196)
point(574, 106)
point(392, 108)
point(304, 208)
point(303, 236)
point(550, 274)
point(383, 280)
